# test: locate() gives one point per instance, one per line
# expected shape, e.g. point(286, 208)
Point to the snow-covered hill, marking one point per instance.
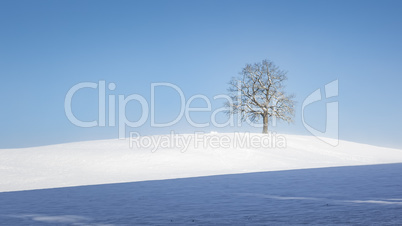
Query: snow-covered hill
point(112, 161)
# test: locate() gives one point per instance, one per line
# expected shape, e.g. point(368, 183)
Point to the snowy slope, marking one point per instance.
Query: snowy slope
point(354, 195)
point(111, 161)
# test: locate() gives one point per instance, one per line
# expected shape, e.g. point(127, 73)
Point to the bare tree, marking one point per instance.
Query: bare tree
point(259, 93)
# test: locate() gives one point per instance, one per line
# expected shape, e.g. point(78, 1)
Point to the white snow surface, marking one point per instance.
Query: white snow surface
point(113, 161)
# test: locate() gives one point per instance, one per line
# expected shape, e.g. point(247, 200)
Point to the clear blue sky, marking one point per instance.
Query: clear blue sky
point(46, 47)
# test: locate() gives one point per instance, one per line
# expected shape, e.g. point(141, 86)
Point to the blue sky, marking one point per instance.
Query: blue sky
point(46, 47)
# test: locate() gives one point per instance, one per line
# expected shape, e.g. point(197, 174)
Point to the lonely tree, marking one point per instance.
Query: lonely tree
point(259, 93)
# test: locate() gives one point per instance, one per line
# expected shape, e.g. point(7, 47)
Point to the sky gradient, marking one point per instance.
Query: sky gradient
point(46, 47)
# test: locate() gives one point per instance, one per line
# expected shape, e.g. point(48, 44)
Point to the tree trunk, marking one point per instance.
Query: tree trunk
point(265, 126)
